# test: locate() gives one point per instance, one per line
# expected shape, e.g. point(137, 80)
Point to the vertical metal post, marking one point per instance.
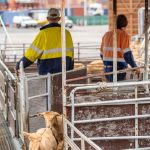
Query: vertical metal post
point(1, 54)
point(146, 45)
point(78, 51)
point(24, 100)
point(15, 82)
point(49, 92)
point(82, 144)
point(115, 42)
point(6, 108)
point(85, 12)
point(24, 48)
point(15, 56)
point(136, 119)
point(131, 17)
point(27, 105)
point(63, 42)
point(146, 40)
point(68, 8)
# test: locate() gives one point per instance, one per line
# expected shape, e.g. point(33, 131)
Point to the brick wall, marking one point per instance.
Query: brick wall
point(130, 9)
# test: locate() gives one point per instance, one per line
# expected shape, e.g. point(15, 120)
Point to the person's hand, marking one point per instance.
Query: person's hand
point(17, 72)
point(138, 72)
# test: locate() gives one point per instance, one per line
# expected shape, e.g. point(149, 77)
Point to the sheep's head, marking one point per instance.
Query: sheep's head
point(34, 139)
point(50, 118)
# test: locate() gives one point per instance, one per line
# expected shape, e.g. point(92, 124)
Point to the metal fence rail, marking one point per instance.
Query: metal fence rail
point(125, 101)
point(5, 136)
point(9, 101)
point(82, 51)
point(26, 96)
point(83, 139)
point(31, 92)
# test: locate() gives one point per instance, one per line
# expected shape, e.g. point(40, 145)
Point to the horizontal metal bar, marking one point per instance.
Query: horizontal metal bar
point(129, 103)
point(111, 119)
point(114, 102)
point(82, 135)
point(115, 138)
point(144, 148)
point(38, 77)
point(41, 95)
point(111, 85)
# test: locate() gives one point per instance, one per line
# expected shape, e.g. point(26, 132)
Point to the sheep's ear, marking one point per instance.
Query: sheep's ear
point(26, 134)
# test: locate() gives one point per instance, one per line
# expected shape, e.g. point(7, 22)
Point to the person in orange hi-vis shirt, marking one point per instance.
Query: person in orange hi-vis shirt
point(124, 53)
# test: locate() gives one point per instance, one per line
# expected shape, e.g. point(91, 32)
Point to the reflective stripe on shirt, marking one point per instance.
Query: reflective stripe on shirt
point(51, 51)
point(36, 49)
point(111, 59)
point(127, 50)
point(110, 49)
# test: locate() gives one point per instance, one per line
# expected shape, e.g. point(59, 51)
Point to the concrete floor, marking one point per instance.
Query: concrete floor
point(82, 34)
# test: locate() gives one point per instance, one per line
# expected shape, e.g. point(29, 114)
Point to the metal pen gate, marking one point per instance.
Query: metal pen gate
point(41, 93)
point(30, 99)
point(9, 103)
point(114, 120)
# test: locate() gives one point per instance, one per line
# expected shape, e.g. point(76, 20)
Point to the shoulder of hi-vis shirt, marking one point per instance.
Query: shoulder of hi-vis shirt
point(36, 48)
point(123, 44)
point(47, 45)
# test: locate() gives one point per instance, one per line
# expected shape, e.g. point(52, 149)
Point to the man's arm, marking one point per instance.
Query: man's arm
point(128, 56)
point(72, 46)
point(34, 51)
point(26, 63)
point(127, 53)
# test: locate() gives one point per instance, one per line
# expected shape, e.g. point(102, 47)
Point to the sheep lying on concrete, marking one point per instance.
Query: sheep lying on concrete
point(43, 139)
point(53, 120)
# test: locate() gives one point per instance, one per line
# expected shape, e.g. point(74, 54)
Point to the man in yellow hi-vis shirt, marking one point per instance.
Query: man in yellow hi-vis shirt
point(46, 47)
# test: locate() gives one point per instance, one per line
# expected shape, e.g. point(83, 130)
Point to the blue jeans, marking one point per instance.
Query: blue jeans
point(120, 76)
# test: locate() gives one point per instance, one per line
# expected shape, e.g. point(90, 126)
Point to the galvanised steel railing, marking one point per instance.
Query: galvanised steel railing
point(125, 101)
point(82, 51)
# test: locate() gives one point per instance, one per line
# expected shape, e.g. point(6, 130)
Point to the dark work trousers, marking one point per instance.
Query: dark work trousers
point(120, 76)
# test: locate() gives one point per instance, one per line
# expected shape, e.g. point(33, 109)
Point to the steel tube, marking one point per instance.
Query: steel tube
point(37, 77)
point(146, 40)
point(115, 42)
point(63, 44)
point(41, 95)
point(112, 102)
point(83, 136)
point(146, 46)
point(112, 119)
point(49, 87)
point(115, 138)
point(136, 119)
point(144, 148)
point(111, 85)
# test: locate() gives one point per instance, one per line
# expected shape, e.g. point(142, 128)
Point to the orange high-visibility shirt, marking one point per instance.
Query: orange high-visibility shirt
point(123, 42)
